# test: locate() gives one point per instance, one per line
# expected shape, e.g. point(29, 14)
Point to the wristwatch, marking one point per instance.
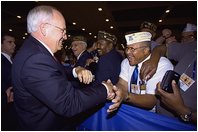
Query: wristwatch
point(186, 117)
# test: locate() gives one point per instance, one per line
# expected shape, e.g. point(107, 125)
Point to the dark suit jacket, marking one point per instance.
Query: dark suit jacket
point(82, 59)
point(6, 67)
point(108, 67)
point(44, 98)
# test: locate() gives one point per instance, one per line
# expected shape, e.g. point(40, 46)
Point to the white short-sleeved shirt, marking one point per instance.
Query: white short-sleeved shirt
point(127, 70)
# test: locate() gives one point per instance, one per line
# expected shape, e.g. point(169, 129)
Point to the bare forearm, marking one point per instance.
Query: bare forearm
point(158, 52)
point(144, 101)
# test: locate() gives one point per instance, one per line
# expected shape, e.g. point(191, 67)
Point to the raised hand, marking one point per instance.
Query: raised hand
point(173, 100)
point(84, 75)
point(147, 70)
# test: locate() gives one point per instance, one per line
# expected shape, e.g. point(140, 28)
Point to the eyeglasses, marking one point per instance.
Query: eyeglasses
point(62, 29)
point(131, 49)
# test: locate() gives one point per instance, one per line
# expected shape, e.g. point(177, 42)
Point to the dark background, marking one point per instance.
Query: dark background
point(124, 16)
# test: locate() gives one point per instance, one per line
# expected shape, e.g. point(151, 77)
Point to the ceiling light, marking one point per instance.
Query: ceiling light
point(95, 37)
point(74, 23)
point(90, 33)
point(160, 20)
point(107, 20)
point(111, 27)
point(69, 35)
point(10, 30)
point(26, 33)
point(19, 17)
point(83, 29)
point(99, 9)
point(167, 11)
point(23, 37)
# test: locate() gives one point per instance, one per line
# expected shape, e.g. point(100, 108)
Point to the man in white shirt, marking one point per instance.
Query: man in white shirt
point(139, 92)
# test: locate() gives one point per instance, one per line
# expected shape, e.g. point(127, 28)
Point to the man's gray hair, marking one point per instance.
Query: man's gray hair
point(38, 15)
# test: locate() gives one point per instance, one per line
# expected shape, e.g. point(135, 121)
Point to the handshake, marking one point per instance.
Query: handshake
point(113, 93)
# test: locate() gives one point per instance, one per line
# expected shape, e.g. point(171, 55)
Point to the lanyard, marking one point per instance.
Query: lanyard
point(194, 68)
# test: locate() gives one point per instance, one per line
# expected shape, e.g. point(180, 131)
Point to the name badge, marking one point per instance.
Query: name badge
point(185, 82)
point(135, 89)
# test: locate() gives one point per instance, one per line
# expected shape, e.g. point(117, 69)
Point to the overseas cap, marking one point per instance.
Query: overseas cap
point(107, 36)
point(80, 38)
point(148, 25)
point(190, 28)
point(138, 37)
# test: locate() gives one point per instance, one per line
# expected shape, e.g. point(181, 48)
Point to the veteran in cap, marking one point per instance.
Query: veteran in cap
point(137, 92)
point(108, 66)
point(79, 48)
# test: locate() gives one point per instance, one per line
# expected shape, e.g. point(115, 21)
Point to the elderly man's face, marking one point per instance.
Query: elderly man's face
point(8, 45)
point(136, 53)
point(78, 47)
point(56, 32)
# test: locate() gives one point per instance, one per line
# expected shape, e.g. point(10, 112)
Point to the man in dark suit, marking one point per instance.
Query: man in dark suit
point(45, 99)
point(7, 110)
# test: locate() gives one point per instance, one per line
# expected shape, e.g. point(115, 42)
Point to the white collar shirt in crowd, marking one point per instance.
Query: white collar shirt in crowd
point(163, 65)
point(7, 56)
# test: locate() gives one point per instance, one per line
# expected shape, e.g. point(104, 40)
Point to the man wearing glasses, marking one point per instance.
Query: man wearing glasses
point(44, 98)
point(137, 92)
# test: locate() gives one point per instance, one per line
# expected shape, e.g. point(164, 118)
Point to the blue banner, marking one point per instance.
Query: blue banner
point(129, 118)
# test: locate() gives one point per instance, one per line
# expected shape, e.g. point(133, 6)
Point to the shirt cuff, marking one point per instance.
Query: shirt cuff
point(74, 73)
point(106, 88)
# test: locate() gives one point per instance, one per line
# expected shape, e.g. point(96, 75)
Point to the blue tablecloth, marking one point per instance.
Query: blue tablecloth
point(129, 118)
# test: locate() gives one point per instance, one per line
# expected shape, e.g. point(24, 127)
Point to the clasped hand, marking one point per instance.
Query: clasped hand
point(84, 75)
point(115, 95)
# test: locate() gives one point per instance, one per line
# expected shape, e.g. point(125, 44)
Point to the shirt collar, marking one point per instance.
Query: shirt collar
point(140, 64)
point(46, 47)
point(80, 54)
point(7, 56)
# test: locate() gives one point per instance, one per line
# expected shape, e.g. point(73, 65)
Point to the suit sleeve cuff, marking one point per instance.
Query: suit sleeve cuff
point(74, 73)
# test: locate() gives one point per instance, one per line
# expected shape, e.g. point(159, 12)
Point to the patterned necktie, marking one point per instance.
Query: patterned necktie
point(134, 76)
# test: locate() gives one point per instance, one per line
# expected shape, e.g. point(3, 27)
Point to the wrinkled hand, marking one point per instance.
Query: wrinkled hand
point(117, 100)
point(10, 95)
point(84, 75)
point(173, 100)
point(147, 70)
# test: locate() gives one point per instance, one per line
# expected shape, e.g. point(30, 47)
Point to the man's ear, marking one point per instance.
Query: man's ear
point(110, 46)
point(43, 29)
point(146, 50)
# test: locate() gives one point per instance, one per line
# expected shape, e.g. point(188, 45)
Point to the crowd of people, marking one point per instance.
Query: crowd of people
point(41, 93)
